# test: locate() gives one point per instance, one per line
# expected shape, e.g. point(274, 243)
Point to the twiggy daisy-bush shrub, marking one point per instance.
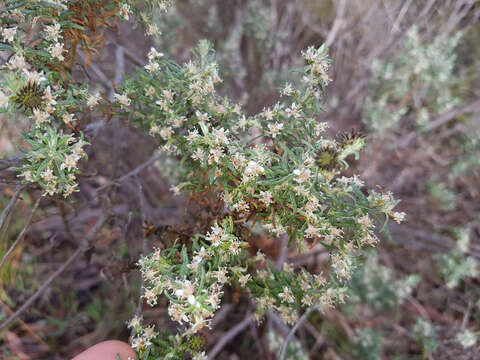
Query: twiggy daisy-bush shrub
point(419, 80)
point(424, 332)
point(277, 169)
point(456, 264)
point(373, 284)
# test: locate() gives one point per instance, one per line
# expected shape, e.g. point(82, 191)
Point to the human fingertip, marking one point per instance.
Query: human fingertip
point(108, 350)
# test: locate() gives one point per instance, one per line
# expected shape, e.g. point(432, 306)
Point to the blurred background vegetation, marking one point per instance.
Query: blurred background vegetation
point(405, 73)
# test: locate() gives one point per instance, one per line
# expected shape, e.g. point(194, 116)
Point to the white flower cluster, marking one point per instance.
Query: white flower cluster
point(8, 34)
point(467, 338)
point(125, 11)
point(316, 76)
point(456, 264)
point(194, 293)
point(276, 168)
point(386, 203)
point(53, 161)
point(286, 290)
point(424, 71)
point(374, 284)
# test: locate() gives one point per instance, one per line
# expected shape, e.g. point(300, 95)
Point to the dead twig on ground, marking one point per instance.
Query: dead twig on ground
point(10, 205)
point(291, 334)
point(134, 172)
point(229, 336)
point(143, 213)
point(440, 121)
point(84, 247)
point(22, 233)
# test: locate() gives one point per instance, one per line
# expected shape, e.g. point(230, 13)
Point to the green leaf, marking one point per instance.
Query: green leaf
point(211, 175)
point(38, 53)
point(5, 47)
point(15, 6)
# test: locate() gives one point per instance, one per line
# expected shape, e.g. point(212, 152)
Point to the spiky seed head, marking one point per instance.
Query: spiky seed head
point(349, 137)
point(326, 158)
point(196, 343)
point(29, 97)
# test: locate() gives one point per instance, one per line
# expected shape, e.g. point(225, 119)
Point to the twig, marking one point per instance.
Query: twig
point(10, 182)
point(102, 78)
point(20, 236)
point(235, 39)
point(134, 172)
point(319, 339)
point(120, 64)
point(119, 68)
point(229, 336)
point(319, 254)
point(7, 163)
point(442, 120)
point(401, 14)
point(291, 334)
point(419, 307)
point(85, 245)
point(134, 59)
point(274, 318)
point(430, 241)
point(10, 205)
point(337, 23)
point(221, 314)
point(144, 247)
point(25, 326)
point(283, 252)
point(65, 222)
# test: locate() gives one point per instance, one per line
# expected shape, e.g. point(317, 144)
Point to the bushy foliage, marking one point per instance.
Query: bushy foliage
point(278, 172)
point(277, 168)
point(368, 344)
point(424, 332)
point(456, 264)
point(373, 284)
point(289, 182)
point(419, 81)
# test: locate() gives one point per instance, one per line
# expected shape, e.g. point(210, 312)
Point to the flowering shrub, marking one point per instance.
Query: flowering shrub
point(368, 344)
point(277, 169)
point(419, 79)
point(456, 265)
point(373, 284)
point(425, 333)
point(42, 39)
point(52, 160)
point(294, 350)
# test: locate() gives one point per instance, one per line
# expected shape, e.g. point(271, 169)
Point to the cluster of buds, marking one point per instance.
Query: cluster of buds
point(279, 181)
point(52, 161)
point(192, 279)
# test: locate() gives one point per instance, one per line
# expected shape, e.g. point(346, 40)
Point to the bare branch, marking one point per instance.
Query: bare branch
point(429, 241)
point(401, 14)
point(102, 78)
point(134, 172)
point(143, 212)
point(120, 64)
point(337, 23)
point(442, 120)
point(10, 182)
point(294, 329)
point(229, 336)
point(10, 205)
point(283, 252)
point(22, 233)
point(85, 245)
point(7, 163)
